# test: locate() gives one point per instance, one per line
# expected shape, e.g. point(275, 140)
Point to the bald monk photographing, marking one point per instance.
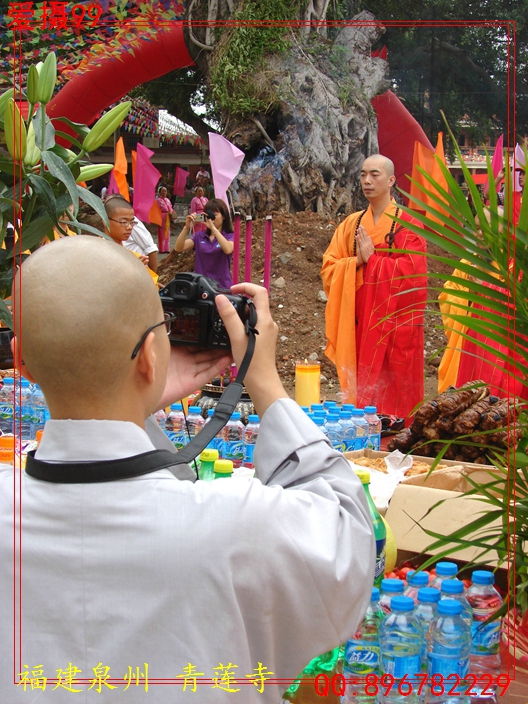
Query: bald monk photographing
point(376, 298)
point(139, 573)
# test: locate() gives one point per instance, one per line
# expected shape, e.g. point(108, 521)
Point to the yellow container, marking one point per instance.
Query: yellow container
point(307, 383)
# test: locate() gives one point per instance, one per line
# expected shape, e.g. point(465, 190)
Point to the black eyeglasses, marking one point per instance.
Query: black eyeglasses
point(167, 322)
point(124, 223)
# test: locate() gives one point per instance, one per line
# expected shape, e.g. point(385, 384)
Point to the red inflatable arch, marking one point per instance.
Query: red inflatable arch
point(85, 96)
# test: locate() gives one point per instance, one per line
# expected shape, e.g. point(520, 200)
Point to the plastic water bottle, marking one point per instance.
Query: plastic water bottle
point(330, 405)
point(39, 411)
point(251, 432)
point(380, 532)
point(374, 428)
point(23, 412)
point(362, 653)
point(358, 416)
point(425, 612)
point(195, 421)
point(349, 430)
point(444, 570)
point(320, 413)
point(7, 403)
point(415, 581)
point(401, 640)
point(175, 426)
point(333, 431)
point(389, 589)
point(454, 589)
point(319, 421)
point(233, 440)
point(161, 417)
point(448, 648)
point(485, 601)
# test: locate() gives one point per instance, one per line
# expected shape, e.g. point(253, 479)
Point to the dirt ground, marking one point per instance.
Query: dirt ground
point(297, 248)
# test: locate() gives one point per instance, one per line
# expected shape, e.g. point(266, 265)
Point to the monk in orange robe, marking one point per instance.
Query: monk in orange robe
point(376, 299)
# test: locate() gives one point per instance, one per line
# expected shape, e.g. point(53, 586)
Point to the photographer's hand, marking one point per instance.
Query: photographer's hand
point(189, 369)
point(262, 379)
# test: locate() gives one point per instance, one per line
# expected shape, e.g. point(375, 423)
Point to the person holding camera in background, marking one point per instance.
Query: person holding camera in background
point(213, 246)
point(133, 568)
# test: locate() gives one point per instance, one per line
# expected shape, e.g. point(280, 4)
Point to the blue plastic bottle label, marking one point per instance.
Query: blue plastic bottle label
point(446, 667)
point(233, 451)
point(399, 667)
point(485, 637)
point(373, 442)
point(6, 411)
point(361, 659)
point(249, 451)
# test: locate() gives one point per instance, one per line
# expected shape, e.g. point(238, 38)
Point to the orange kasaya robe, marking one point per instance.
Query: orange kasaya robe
point(376, 337)
point(454, 329)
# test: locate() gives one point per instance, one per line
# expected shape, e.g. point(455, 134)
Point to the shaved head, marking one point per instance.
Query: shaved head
point(85, 303)
point(380, 162)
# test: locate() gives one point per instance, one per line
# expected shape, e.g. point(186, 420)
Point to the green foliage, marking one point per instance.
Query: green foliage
point(487, 246)
point(39, 179)
point(237, 83)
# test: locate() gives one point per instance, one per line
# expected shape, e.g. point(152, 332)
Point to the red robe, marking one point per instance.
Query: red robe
point(378, 363)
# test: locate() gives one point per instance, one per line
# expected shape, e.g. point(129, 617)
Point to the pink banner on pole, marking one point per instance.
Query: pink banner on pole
point(249, 246)
point(113, 188)
point(179, 181)
point(226, 160)
point(497, 163)
point(147, 176)
point(267, 252)
point(519, 162)
point(236, 250)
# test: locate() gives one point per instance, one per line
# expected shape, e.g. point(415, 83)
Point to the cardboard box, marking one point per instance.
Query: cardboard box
point(408, 511)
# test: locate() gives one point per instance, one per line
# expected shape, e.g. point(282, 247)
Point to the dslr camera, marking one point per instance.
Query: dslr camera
point(191, 298)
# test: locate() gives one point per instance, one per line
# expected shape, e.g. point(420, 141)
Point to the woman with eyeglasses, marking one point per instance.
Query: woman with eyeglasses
point(214, 246)
point(167, 214)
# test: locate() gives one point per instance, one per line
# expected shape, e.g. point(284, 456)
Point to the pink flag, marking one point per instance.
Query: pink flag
point(112, 185)
point(519, 162)
point(497, 163)
point(226, 160)
point(179, 181)
point(147, 176)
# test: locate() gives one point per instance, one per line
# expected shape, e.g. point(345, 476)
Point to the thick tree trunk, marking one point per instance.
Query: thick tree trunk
point(307, 152)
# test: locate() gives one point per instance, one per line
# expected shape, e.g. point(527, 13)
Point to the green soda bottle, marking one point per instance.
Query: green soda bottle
point(208, 458)
point(380, 532)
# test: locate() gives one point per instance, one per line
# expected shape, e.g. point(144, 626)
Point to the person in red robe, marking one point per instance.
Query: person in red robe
point(376, 299)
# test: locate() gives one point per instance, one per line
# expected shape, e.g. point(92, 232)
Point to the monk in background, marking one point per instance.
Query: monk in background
point(376, 299)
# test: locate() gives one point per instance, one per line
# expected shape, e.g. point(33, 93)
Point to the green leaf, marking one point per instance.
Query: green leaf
point(46, 195)
point(59, 169)
point(5, 315)
point(46, 141)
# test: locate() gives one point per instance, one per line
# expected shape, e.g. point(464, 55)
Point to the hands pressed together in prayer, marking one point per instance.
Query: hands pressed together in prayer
point(364, 246)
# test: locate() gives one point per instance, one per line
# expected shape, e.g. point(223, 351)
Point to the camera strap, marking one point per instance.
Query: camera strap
point(227, 401)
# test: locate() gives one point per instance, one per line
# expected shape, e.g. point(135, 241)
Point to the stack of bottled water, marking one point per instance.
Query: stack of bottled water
point(251, 432)
point(23, 409)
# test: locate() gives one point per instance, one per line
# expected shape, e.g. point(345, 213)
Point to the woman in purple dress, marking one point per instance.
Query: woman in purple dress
point(214, 246)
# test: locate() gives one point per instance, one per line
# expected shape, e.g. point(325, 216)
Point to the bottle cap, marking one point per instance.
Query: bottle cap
point(195, 409)
point(375, 594)
point(38, 435)
point(318, 420)
point(348, 407)
point(452, 586)
point(418, 578)
point(208, 455)
point(254, 418)
point(446, 569)
point(235, 415)
point(357, 412)
point(24, 383)
point(9, 380)
point(392, 585)
point(210, 412)
point(402, 603)
point(449, 606)
point(7, 442)
point(370, 409)
point(317, 407)
point(364, 477)
point(320, 412)
point(428, 595)
point(482, 577)
point(329, 404)
point(176, 407)
point(306, 409)
point(332, 417)
point(345, 414)
point(223, 467)
point(7, 455)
